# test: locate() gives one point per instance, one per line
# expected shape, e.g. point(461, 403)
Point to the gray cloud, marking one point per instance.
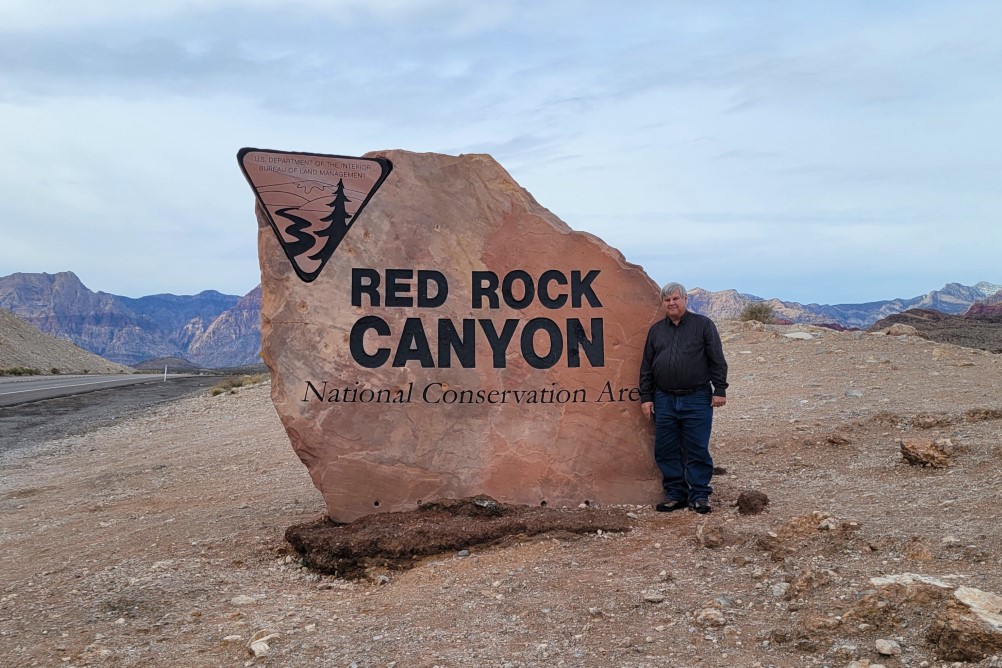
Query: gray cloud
point(750, 119)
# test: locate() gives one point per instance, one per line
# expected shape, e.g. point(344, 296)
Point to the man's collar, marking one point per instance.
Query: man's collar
point(685, 314)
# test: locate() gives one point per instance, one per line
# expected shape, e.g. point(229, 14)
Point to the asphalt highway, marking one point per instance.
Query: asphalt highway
point(20, 390)
point(37, 410)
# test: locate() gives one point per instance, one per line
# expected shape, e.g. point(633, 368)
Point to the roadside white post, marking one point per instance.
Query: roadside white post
point(165, 373)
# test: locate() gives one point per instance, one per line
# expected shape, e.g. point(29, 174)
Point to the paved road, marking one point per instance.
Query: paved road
point(22, 390)
point(37, 421)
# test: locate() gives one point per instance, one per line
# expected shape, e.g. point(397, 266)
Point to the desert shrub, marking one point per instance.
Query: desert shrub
point(19, 371)
point(757, 311)
point(233, 382)
point(55, 371)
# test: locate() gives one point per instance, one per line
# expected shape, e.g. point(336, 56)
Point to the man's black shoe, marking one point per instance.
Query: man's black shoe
point(670, 505)
point(701, 506)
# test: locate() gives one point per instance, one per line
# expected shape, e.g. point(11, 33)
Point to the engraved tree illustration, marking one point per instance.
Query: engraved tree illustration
point(338, 227)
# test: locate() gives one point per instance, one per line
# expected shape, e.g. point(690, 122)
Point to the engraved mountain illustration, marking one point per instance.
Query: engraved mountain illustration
point(312, 229)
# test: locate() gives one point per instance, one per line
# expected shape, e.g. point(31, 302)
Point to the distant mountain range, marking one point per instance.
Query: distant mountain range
point(214, 330)
point(210, 329)
point(952, 298)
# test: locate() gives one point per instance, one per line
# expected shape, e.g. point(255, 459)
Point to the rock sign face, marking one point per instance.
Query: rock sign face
point(433, 332)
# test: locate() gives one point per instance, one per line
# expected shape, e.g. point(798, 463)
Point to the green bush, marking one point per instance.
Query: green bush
point(233, 382)
point(757, 311)
point(19, 371)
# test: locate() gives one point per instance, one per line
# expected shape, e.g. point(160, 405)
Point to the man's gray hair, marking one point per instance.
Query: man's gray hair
point(673, 287)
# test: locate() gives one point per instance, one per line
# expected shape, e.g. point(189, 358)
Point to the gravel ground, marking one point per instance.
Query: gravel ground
point(157, 540)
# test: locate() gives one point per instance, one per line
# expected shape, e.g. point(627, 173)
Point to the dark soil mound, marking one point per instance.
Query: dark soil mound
point(399, 540)
point(752, 503)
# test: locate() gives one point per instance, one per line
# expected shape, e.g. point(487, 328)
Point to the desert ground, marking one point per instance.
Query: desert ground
point(159, 540)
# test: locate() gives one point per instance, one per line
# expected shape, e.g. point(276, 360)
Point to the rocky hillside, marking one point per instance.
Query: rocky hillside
point(22, 345)
point(952, 298)
point(232, 339)
point(128, 330)
point(990, 306)
point(181, 318)
point(981, 330)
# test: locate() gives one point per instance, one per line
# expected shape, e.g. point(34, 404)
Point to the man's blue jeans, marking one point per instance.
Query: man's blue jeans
point(682, 427)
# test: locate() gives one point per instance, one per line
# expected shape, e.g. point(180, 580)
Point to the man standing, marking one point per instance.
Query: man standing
point(683, 377)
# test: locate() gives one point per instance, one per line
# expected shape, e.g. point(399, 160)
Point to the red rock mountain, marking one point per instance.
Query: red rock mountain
point(128, 330)
point(990, 306)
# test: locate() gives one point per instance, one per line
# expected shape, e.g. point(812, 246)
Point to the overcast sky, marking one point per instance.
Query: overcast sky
point(829, 152)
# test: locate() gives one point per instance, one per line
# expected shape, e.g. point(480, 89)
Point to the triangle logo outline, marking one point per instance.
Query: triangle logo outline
point(311, 200)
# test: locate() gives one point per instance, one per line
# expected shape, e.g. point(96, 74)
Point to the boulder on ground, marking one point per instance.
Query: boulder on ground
point(926, 452)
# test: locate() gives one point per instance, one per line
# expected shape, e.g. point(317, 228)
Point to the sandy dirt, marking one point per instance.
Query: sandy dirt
point(159, 540)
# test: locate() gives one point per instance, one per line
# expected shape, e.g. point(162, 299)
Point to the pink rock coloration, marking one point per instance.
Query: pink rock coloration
point(460, 340)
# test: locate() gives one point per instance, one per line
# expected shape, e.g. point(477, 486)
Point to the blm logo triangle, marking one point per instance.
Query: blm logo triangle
point(311, 200)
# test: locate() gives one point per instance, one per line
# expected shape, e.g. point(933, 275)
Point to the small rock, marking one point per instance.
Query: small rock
point(899, 329)
point(887, 647)
point(652, 597)
point(710, 536)
point(264, 634)
point(261, 647)
point(854, 394)
point(243, 599)
point(924, 452)
point(800, 336)
point(463, 553)
point(828, 524)
point(779, 589)
point(711, 617)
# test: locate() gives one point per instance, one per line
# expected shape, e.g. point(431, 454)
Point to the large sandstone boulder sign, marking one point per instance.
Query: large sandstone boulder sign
point(433, 332)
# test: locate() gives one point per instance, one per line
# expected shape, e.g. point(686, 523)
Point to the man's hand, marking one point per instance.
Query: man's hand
point(648, 408)
point(717, 402)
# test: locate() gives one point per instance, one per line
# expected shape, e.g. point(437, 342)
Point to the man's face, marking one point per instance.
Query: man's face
point(674, 305)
